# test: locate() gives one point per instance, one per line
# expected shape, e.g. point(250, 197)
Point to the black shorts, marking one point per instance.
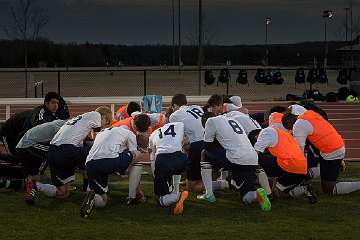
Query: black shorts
point(269, 163)
point(312, 155)
point(63, 160)
point(193, 172)
point(242, 177)
point(99, 169)
point(330, 169)
point(33, 159)
point(167, 165)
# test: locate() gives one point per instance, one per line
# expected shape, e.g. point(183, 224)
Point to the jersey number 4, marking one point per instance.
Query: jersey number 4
point(235, 126)
point(169, 132)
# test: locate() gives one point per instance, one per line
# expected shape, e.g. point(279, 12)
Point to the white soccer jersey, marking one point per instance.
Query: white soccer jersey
point(229, 133)
point(110, 142)
point(76, 129)
point(190, 116)
point(268, 137)
point(167, 139)
point(249, 124)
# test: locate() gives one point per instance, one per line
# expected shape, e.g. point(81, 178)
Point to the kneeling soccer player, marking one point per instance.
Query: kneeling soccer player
point(166, 145)
point(67, 152)
point(227, 146)
point(114, 150)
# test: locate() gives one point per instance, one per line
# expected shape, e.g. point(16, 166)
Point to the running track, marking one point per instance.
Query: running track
point(345, 117)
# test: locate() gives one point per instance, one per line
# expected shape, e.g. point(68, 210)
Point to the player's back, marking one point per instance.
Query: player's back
point(231, 135)
point(249, 124)
point(167, 139)
point(190, 116)
point(110, 142)
point(76, 129)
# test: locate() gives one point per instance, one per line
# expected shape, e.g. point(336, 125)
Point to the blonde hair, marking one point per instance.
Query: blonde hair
point(105, 113)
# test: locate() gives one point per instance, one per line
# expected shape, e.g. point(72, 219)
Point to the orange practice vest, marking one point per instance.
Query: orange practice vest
point(276, 118)
point(159, 124)
point(125, 122)
point(324, 136)
point(289, 155)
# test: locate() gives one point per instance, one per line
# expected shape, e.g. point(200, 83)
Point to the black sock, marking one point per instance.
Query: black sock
point(85, 184)
point(17, 184)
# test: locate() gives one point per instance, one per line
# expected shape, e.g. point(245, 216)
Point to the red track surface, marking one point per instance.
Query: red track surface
point(345, 117)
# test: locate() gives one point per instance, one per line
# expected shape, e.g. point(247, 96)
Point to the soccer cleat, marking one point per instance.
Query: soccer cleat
point(263, 200)
point(179, 207)
point(30, 192)
point(310, 195)
point(87, 204)
point(207, 198)
point(140, 198)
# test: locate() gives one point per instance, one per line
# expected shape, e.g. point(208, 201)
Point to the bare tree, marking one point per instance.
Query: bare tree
point(28, 20)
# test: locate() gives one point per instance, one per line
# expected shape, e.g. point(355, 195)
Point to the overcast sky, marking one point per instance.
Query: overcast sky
point(230, 22)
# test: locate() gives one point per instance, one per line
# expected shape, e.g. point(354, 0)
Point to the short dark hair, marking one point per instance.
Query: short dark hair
point(179, 99)
point(205, 117)
point(279, 109)
point(253, 136)
point(132, 107)
point(51, 95)
point(215, 100)
point(226, 99)
point(288, 120)
point(142, 122)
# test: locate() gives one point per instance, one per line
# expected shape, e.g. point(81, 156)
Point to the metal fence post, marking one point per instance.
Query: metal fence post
point(227, 87)
point(58, 82)
point(145, 82)
point(26, 83)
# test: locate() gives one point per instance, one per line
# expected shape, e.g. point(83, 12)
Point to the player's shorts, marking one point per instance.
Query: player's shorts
point(270, 165)
point(99, 169)
point(312, 155)
point(193, 172)
point(242, 177)
point(330, 169)
point(63, 160)
point(33, 159)
point(167, 165)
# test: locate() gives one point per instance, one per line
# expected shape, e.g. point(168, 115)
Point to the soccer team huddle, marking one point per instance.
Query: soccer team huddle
point(289, 146)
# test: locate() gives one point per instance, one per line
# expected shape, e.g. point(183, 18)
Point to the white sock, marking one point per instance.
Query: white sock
point(298, 191)
point(134, 178)
point(249, 197)
point(224, 175)
point(206, 175)
point(152, 165)
point(314, 172)
point(48, 189)
point(220, 185)
point(176, 183)
point(99, 201)
point(346, 187)
point(169, 199)
point(263, 180)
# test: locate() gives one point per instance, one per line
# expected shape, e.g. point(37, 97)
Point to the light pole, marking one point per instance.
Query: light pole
point(267, 23)
point(200, 46)
point(179, 26)
point(327, 14)
point(173, 31)
point(346, 23)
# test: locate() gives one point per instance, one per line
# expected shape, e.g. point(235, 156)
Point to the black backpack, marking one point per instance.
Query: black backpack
point(343, 77)
point(312, 76)
point(209, 77)
point(242, 77)
point(277, 78)
point(322, 76)
point(268, 78)
point(260, 75)
point(331, 97)
point(343, 93)
point(224, 76)
point(316, 95)
point(300, 76)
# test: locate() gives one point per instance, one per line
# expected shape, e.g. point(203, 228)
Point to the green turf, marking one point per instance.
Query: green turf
point(331, 218)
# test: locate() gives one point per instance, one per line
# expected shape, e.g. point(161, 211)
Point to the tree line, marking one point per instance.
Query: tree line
point(45, 52)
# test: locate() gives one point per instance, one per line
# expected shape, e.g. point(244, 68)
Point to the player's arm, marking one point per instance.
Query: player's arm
point(266, 138)
point(301, 130)
point(209, 137)
point(186, 143)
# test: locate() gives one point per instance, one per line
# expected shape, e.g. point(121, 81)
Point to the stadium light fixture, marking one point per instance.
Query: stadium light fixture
point(327, 15)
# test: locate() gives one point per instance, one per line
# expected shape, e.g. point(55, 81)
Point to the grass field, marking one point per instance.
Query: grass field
point(331, 218)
